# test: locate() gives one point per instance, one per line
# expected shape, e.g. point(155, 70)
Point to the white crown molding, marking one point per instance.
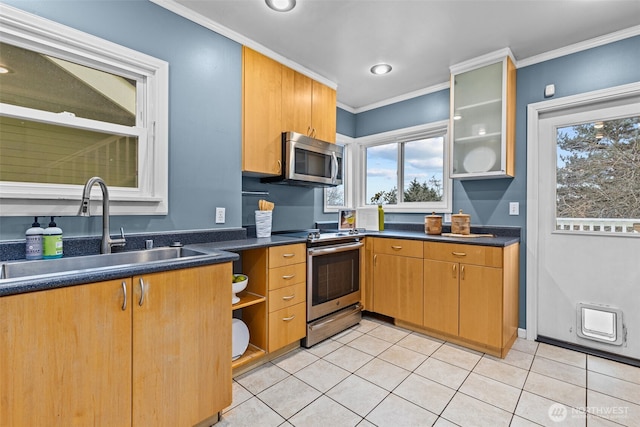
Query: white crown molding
point(189, 14)
point(578, 47)
point(489, 58)
point(399, 98)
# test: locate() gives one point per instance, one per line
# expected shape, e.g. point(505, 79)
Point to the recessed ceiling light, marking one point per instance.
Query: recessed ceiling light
point(4, 70)
point(457, 116)
point(281, 5)
point(381, 69)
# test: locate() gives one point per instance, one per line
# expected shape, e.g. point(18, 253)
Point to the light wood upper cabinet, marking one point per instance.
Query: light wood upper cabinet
point(182, 346)
point(483, 104)
point(66, 357)
point(323, 112)
point(277, 99)
point(296, 101)
point(261, 114)
point(308, 107)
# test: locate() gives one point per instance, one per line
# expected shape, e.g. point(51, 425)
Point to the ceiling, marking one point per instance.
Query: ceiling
point(339, 40)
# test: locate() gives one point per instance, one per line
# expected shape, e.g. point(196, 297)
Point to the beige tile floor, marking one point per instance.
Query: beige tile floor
point(376, 374)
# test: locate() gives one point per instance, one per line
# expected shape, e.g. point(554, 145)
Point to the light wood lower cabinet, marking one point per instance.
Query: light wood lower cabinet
point(181, 346)
point(471, 293)
point(397, 279)
point(66, 357)
point(86, 355)
point(279, 274)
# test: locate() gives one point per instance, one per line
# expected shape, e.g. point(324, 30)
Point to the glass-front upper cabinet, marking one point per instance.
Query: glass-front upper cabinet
point(483, 96)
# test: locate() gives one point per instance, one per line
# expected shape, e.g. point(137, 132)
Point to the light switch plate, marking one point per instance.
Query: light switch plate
point(220, 215)
point(514, 208)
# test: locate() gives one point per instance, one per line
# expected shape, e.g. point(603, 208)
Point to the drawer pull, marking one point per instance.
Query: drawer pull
point(290, 276)
point(288, 255)
point(288, 319)
point(459, 253)
point(142, 292)
point(454, 271)
point(289, 298)
point(396, 248)
point(462, 272)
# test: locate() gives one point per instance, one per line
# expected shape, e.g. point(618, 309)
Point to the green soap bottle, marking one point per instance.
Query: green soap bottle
point(52, 241)
point(380, 218)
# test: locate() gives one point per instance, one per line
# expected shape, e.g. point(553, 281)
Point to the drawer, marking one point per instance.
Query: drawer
point(287, 326)
point(410, 248)
point(287, 296)
point(287, 275)
point(489, 256)
point(286, 255)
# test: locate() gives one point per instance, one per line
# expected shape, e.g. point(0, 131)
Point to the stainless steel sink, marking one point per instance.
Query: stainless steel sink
point(15, 269)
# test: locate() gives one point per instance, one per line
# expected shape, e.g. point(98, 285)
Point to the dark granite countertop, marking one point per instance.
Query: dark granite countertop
point(499, 241)
point(219, 247)
point(77, 277)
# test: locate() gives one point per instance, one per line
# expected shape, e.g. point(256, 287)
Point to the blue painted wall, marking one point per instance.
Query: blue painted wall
point(205, 123)
point(204, 111)
point(487, 201)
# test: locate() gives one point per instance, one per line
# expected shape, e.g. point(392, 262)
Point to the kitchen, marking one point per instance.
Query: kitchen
point(205, 118)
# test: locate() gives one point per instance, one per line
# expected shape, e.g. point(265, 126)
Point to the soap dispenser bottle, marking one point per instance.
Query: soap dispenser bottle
point(34, 237)
point(52, 243)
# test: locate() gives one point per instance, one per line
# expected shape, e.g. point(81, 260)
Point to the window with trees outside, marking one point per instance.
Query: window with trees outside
point(598, 176)
point(73, 106)
point(407, 170)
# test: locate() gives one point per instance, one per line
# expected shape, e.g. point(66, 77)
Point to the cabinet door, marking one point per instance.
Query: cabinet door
point(481, 304)
point(441, 296)
point(398, 287)
point(323, 112)
point(261, 114)
point(296, 101)
point(181, 346)
point(66, 357)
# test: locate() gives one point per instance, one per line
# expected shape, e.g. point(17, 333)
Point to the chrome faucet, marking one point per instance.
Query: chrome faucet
point(107, 241)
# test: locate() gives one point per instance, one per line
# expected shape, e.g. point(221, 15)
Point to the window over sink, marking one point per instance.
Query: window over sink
point(73, 106)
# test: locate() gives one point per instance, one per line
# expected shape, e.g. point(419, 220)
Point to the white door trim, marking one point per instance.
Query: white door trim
point(534, 113)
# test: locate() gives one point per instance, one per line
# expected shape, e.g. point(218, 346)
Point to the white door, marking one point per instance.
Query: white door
point(583, 267)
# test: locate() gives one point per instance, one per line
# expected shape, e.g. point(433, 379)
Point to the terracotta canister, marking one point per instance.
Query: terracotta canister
point(433, 224)
point(460, 223)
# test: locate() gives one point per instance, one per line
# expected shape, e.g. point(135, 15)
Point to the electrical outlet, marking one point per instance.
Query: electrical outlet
point(220, 215)
point(447, 217)
point(514, 208)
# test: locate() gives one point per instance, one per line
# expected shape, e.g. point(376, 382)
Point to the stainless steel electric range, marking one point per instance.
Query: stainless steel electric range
point(334, 261)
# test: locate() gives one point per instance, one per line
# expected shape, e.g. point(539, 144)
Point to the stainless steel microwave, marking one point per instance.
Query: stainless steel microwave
point(309, 162)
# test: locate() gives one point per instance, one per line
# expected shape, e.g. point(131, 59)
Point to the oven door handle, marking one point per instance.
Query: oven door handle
point(334, 249)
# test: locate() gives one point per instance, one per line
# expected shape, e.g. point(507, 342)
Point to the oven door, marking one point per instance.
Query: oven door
point(333, 278)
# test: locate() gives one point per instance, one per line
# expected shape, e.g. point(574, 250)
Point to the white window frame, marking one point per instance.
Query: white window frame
point(430, 130)
point(349, 155)
point(151, 197)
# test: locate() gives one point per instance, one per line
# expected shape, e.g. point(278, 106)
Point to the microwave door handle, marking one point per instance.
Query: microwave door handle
point(334, 168)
